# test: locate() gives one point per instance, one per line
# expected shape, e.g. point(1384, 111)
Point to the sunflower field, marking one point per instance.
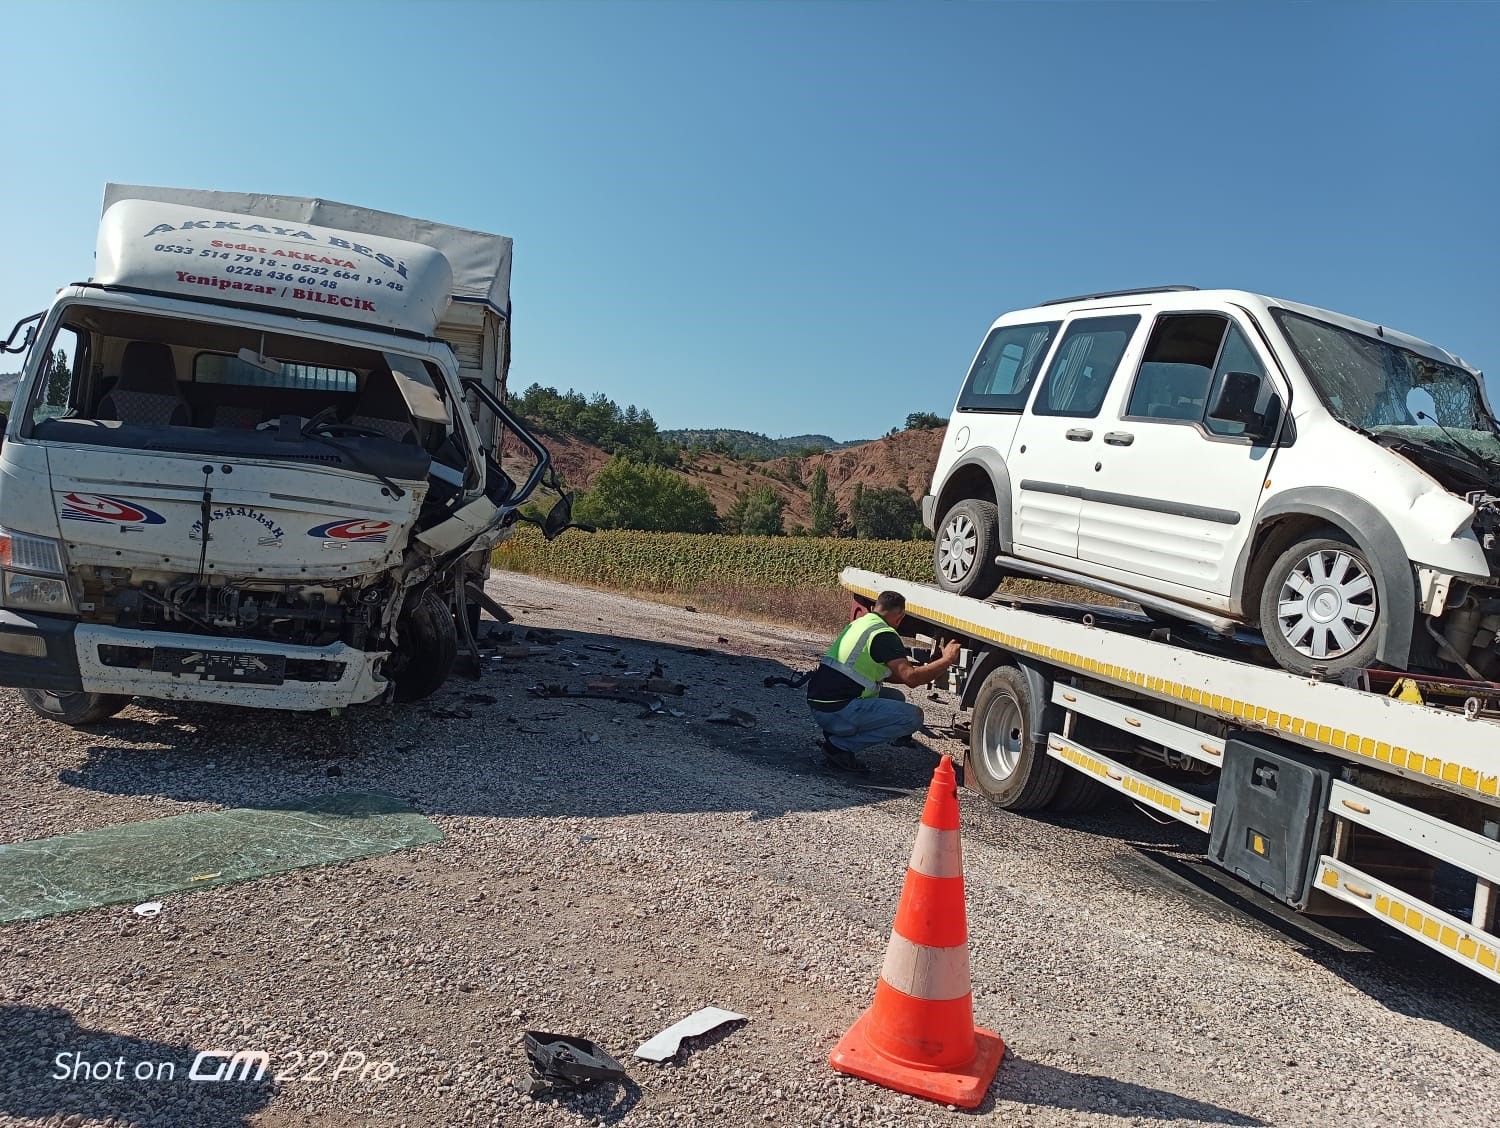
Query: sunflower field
point(626, 560)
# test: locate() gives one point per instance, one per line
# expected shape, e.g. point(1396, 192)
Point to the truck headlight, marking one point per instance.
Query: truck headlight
point(27, 552)
point(36, 593)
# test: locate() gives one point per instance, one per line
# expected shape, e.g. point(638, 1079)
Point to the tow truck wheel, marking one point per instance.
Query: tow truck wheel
point(74, 708)
point(428, 648)
point(963, 556)
point(1005, 766)
point(1319, 607)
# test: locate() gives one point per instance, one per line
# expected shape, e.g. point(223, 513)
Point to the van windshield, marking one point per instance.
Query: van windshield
point(1380, 387)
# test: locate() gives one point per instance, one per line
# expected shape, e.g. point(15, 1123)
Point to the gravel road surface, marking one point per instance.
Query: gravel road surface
point(604, 875)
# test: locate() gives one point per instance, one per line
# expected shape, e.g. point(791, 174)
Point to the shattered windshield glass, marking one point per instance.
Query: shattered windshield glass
point(1392, 391)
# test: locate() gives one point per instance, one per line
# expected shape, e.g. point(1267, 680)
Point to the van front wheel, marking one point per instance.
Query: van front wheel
point(74, 708)
point(1320, 607)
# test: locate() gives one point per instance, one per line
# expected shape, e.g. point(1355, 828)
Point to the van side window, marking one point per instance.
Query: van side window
point(55, 382)
point(1078, 378)
point(1006, 367)
point(1177, 367)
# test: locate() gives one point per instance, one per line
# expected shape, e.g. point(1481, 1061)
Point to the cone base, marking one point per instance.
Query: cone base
point(964, 1086)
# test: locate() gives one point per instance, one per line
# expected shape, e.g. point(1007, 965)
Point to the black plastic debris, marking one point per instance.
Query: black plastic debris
point(559, 1061)
point(796, 681)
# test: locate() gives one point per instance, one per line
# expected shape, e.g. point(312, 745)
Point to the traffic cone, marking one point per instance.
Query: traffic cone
point(919, 1036)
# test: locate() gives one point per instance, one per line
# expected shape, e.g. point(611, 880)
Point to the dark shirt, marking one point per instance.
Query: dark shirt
point(829, 690)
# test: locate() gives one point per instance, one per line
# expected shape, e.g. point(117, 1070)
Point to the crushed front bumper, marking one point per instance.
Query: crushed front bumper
point(230, 671)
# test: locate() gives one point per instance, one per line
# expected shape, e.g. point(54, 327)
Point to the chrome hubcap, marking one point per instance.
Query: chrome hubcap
point(1000, 739)
point(1326, 606)
point(957, 548)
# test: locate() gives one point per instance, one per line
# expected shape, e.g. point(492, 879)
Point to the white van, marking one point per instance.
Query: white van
point(1230, 458)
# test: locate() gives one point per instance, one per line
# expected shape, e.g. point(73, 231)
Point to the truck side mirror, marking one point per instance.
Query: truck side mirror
point(4, 423)
point(560, 517)
point(1236, 402)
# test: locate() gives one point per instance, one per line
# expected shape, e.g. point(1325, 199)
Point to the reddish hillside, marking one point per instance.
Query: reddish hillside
point(902, 460)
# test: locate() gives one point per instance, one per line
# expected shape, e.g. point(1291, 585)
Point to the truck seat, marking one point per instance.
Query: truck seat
point(381, 408)
point(146, 391)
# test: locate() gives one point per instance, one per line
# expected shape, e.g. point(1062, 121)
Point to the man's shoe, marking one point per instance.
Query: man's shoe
point(842, 760)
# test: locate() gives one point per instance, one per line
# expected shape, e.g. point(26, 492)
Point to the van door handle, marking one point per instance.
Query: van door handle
point(1080, 434)
point(1119, 438)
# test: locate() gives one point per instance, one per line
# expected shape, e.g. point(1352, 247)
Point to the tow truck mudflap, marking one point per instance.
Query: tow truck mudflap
point(228, 671)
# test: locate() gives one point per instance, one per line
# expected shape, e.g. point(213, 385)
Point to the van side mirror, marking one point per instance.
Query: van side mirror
point(1236, 402)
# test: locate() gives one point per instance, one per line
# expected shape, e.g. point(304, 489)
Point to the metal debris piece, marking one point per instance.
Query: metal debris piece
point(562, 1062)
point(731, 717)
point(639, 685)
point(603, 648)
point(662, 1046)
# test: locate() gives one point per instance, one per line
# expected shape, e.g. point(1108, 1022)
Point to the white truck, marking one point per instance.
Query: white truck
point(255, 459)
point(1333, 796)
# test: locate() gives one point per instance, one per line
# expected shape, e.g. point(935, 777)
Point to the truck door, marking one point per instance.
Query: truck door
point(1175, 494)
point(1060, 438)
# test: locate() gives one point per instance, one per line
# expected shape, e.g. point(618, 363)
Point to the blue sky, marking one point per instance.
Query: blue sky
point(800, 217)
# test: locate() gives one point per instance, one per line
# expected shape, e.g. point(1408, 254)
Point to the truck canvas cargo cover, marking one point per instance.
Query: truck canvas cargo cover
point(301, 269)
point(480, 262)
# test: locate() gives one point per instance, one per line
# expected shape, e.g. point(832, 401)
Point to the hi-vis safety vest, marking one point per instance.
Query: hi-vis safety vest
point(850, 653)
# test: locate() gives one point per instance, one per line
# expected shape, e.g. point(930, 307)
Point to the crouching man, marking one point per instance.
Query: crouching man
point(845, 695)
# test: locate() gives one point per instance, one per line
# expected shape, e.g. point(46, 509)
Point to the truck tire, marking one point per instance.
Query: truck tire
point(1006, 767)
point(1319, 608)
point(963, 554)
point(74, 708)
point(1077, 793)
point(428, 648)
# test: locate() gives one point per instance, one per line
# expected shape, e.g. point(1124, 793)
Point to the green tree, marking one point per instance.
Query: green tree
point(756, 513)
point(58, 377)
point(883, 514)
point(924, 421)
point(826, 518)
point(633, 495)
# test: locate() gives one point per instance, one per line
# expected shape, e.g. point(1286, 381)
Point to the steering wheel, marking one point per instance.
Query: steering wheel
point(274, 423)
point(334, 427)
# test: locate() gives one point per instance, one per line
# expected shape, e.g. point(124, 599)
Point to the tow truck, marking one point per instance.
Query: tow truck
point(1337, 796)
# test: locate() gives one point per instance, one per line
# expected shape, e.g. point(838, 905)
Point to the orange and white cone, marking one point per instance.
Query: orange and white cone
point(919, 1036)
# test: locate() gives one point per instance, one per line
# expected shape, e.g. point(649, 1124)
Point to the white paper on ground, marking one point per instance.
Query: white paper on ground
point(664, 1045)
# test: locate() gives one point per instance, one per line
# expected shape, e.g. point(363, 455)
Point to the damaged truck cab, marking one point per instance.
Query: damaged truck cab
point(255, 460)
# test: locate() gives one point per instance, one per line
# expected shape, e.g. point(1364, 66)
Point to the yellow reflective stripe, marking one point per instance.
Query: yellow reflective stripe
point(1432, 767)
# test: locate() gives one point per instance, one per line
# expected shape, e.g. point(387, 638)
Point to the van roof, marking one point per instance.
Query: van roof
point(1170, 296)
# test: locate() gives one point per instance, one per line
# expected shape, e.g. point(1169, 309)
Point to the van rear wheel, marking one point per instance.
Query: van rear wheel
point(963, 556)
point(74, 708)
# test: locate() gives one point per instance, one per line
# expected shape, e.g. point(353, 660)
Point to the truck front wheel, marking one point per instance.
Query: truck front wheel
point(74, 708)
point(429, 645)
point(1004, 762)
